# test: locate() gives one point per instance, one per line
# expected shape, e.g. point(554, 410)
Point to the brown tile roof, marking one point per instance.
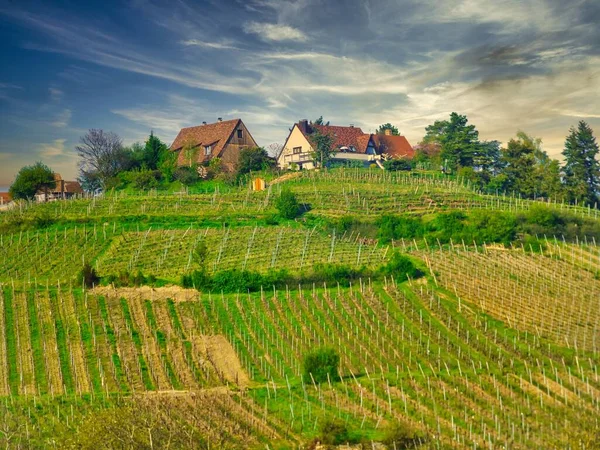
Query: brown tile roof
point(214, 134)
point(395, 146)
point(5, 197)
point(73, 187)
point(345, 136)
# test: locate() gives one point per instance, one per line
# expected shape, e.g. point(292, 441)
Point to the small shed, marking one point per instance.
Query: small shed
point(258, 184)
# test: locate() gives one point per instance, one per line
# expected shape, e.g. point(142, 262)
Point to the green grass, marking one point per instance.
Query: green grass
point(11, 343)
point(135, 336)
point(63, 346)
point(36, 344)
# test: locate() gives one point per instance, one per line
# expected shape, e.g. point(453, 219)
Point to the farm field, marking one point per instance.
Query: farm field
point(492, 347)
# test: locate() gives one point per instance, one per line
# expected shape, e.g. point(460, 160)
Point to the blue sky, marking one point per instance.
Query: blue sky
point(138, 65)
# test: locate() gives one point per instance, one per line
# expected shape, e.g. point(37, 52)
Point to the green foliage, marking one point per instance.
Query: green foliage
point(519, 158)
point(334, 432)
point(254, 159)
point(155, 152)
point(145, 179)
point(399, 227)
point(88, 276)
point(395, 165)
point(401, 435)
point(491, 226)
point(387, 126)
point(401, 268)
point(287, 205)
point(582, 168)
point(322, 145)
point(186, 175)
point(322, 364)
point(459, 142)
point(30, 180)
point(345, 164)
point(128, 279)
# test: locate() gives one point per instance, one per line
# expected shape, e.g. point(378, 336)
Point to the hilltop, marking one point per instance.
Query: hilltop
point(461, 319)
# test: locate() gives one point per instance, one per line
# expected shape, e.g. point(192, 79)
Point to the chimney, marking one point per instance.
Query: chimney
point(220, 119)
point(303, 125)
point(351, 125)
point(204, 123)
point(388, 132)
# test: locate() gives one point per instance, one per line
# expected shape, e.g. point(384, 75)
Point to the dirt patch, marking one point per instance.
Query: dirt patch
point(221, 354)
point(175, 293)
point(286, 177)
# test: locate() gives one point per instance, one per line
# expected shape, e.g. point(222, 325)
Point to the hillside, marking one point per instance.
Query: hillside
point(496, 345)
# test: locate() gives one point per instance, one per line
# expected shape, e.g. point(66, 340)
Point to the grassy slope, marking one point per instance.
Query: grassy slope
point(441, 355)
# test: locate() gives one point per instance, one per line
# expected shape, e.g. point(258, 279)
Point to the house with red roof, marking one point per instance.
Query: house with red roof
point(222, 139)
point(348, 144)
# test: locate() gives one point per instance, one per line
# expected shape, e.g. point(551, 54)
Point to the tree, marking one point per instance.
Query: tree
point(387, 126)
point(459, 142)
point(288, 205)
point(487, 157)
point(519, 159)
point(320, 121)
point(154, 152)
point(102, 156)
point(582, 169)
point(32, 179)
point(322, 144)
point(253, 160)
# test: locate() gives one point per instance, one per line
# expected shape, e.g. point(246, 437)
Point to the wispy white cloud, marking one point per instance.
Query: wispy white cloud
point(55, 94)
point(275, 32)
point(62, 119)
point(52, 149)
point(210, 45)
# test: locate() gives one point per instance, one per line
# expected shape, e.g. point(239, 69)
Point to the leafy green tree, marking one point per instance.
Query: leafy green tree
point(322, 144)
point(519, 158)
point(487, 157)
point(582, 169)
point(322, 364)
point(548, 173)
point(388, 126)
point(320, 121)
point(30, 180)
point(287, 205)
point(459, 142)
point(253, 160)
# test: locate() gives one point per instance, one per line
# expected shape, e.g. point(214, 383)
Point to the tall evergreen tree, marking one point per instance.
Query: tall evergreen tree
point(459, 141)
point(154, 152)
point(519, 158)
point(582, 169)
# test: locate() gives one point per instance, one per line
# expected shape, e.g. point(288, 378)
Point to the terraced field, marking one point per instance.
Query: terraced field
point(493, 348)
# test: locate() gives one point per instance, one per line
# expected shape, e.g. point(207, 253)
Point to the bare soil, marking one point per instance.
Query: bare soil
point(175, 293)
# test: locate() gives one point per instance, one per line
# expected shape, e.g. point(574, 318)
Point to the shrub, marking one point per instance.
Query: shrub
point(145, 179)
point(493, 226)
point(186, 175)
point(288, 205)
point(394, 165)
point(401, 267)
point(43, 219)
point(402, 435)
point(89, 276)
point(333, 432)
point(396, 227)
point(323, 364)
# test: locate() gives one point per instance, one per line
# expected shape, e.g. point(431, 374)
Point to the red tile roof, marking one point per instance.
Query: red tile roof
point(395, 146)
point(5, 197)
point(213, 134)
point(345, 136)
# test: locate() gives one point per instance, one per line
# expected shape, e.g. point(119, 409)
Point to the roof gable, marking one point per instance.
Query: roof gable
point(395, 146)
point(214, 134)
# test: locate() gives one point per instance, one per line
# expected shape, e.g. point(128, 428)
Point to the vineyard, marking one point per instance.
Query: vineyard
point(493, 347)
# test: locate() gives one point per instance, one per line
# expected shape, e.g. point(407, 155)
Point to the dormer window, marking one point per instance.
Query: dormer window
point(207, 150)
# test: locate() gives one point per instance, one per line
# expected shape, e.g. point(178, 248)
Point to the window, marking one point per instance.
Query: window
point(240, 133)
point(297, 150)
point(208, 150)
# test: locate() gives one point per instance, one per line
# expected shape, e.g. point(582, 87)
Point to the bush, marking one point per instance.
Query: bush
point(401, 435)
point(323, 364)
point(43, 219)
point(186, 175)
point(401, 267)
point(288, 205)
point(396, 227)
point(88, 276)
point(333, 432)
point(394, 165)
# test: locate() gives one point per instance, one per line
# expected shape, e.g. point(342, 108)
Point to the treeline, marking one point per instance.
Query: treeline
point(521, 167)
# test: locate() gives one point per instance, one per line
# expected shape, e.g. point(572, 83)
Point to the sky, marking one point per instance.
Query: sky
point(140, 65)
